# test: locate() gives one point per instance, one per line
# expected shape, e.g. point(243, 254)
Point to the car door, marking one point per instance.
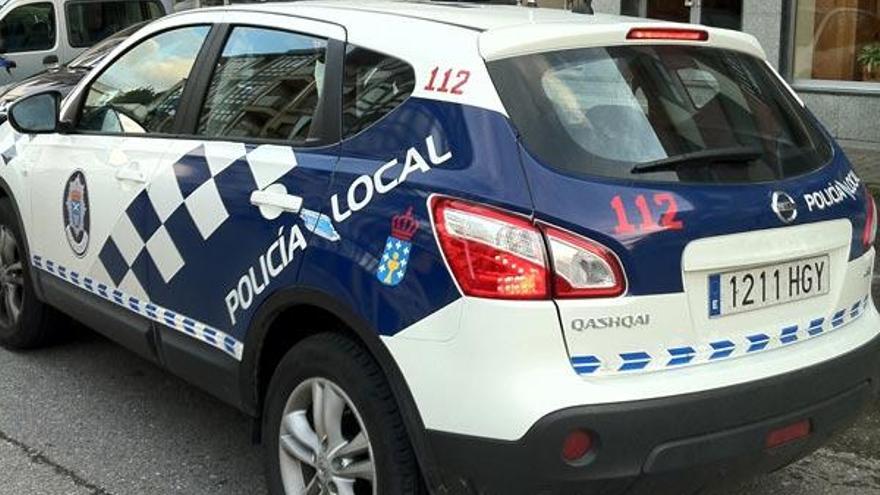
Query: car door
point(28, 37)
point(88, 184)
point(241, 199)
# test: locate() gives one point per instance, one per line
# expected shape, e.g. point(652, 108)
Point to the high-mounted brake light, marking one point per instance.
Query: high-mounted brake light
point(869, 234)
point(668, 34)
point(582, 268)
point(491, 253)
point(500, 255)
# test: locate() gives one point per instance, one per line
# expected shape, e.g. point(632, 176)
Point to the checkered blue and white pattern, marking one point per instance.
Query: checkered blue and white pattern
point(184, 202)
point(167, 317)
point(11, 144)
point(590, 365)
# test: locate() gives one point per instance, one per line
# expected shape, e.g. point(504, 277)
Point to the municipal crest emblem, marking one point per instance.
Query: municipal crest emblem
point(395, 258)
point(76, 213)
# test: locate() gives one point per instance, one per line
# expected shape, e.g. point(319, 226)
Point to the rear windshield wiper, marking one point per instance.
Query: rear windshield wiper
point(703, 157)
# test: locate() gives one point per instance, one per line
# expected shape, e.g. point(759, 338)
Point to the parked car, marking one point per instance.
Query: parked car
point(35, 35)
point(64, 78)
point(473, 249)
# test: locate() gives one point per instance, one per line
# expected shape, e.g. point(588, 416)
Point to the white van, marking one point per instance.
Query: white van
point(36, 34)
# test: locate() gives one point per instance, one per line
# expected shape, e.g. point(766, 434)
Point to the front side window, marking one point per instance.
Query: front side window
point(28, 28)
point(91, 22)
point(140, 91)
point(267, 84)
point(694, 114)
point(837, 41)
point(374, 85)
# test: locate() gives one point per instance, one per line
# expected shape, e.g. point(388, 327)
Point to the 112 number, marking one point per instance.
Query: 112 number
point(668, 219)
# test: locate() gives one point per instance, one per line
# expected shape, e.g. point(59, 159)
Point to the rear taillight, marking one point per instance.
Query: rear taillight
point(869, 234)
point(582, 268)
point(668, 34)
point(500, 255)
point(491, 253)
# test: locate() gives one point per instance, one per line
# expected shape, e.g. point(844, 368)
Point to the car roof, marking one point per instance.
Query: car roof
point(503, 30)
point(474, 16)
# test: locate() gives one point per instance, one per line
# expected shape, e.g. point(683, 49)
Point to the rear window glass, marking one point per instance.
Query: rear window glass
point(659, 113)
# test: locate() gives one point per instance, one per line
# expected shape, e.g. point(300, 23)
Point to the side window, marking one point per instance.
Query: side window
point(267, 85)
point(140, 91)
point(28, 28)
point(374, 85)
point(91, 22)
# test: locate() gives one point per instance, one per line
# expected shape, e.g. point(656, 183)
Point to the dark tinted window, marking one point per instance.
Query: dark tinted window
point(91, 22)
point(712, 115)
point(140, 91)
point(90, 57)
point(375, 84)
point(28, 28)
point(267, 85)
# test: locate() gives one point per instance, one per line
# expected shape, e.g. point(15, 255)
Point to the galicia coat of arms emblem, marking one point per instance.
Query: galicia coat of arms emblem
point(75, 210)
point(392, 266)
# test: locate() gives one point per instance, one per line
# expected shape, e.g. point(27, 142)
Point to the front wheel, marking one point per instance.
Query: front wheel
point(331, 425)
point(25, 321)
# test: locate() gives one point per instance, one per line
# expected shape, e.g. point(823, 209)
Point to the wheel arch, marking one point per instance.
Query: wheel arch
point(267, 342)
point(6, 193)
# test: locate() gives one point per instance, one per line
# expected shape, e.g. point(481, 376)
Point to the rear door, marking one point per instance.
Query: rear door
point(239, 199)
point(737, 223)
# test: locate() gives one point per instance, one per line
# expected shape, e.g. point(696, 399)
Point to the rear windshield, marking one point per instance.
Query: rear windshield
point(669, 113)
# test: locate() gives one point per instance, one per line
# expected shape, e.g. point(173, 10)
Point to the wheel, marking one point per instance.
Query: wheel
point(25, 321)
point(331, 425)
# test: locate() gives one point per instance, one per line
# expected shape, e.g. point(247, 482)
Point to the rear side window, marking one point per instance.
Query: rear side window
point(659, 113)
point(140, 91)
point(28, 28)
point(374, 85)
point(268, 84)
point(91, 22)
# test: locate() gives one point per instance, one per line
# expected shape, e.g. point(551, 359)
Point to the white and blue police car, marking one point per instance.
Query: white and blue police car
point(456, 248)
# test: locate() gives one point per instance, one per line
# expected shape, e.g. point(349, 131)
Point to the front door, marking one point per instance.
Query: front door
point(88, 223)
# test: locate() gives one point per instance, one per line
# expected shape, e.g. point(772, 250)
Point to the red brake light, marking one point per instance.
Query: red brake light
point(491, 253)
point(501, 255)
point(673, 34)
point(582, 268)
point(869, 234)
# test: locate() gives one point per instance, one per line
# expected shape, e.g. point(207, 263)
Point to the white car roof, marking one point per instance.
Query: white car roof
point(505, 30)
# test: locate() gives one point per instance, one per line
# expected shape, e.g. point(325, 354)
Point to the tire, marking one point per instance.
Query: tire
point(339, 369)
point(25, 321)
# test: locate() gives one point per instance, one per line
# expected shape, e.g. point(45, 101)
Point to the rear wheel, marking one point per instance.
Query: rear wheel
point(25, 322)
point(331, 425)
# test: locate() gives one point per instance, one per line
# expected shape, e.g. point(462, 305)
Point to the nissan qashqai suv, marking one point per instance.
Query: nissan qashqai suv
point(456, 248)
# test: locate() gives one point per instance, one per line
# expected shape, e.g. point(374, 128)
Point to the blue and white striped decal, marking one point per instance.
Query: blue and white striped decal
point(195, 329)
point(676, 357)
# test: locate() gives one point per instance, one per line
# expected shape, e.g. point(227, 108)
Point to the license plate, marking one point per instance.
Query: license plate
point(768, 285)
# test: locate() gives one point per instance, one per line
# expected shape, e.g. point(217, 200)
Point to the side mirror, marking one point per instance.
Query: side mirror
point(36, 114)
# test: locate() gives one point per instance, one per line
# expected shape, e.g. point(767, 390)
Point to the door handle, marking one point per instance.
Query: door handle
point(282, 201)
point(131, 174)
point(50, 60)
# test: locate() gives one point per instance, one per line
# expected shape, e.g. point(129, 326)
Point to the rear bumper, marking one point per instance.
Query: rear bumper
point(671, 445)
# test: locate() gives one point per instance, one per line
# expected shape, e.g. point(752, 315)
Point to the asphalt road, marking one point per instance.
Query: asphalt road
point(88, 417)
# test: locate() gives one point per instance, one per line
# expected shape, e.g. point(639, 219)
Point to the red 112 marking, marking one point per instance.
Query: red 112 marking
point(668, 220)
point(460, 79)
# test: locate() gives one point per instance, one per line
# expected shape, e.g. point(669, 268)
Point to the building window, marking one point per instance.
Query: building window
point(837, 40)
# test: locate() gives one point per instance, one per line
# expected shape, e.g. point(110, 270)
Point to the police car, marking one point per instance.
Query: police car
point(456, 248)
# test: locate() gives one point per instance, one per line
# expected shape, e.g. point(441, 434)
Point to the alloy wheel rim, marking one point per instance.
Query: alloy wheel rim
point(324, 447)
point(11, 278)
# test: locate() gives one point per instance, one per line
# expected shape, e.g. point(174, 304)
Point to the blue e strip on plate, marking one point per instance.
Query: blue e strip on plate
point(714, 295)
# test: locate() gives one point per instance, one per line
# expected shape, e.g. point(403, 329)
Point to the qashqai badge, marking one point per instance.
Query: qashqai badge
point(784, 206)
point(76, 213)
